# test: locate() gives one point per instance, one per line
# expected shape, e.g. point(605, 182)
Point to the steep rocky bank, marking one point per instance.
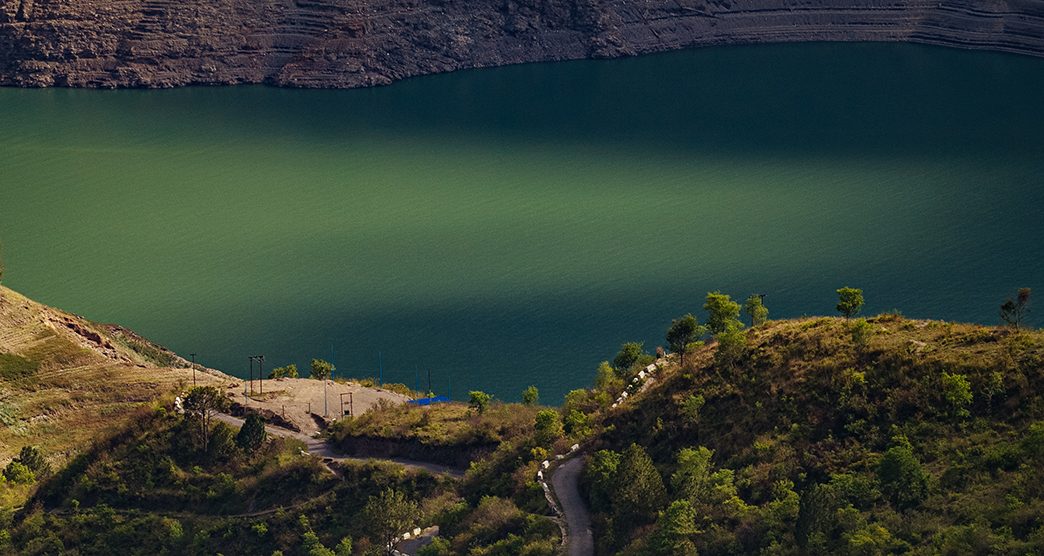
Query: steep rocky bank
point(355, 43)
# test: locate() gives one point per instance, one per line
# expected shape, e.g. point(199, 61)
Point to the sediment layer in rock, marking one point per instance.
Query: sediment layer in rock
point(355, 43)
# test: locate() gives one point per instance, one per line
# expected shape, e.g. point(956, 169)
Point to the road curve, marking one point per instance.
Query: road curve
point(322, 449)
point(565, 481)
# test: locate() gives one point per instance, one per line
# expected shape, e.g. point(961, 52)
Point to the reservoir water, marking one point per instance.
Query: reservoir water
point(513, 226)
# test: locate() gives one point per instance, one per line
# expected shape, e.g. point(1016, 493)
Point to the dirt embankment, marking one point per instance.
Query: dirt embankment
point(350, 43)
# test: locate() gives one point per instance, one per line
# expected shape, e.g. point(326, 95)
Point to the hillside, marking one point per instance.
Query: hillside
point(920, 436)
point(807, 436)
point(347, 43)
point(64, 380)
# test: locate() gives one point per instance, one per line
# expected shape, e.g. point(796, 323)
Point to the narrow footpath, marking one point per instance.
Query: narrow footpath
point(320, 448)
point(565, 481)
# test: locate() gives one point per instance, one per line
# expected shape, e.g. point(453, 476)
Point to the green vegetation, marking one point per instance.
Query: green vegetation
point(832, 436)
point(850, 301)
point(321, 369)
point(815, 436)
point(531, 396)
point(252, 434)
point(289, 371)
point(755, 308)
point(479, 401)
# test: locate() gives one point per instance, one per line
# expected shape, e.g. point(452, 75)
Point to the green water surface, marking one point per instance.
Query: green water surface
point(513, 226)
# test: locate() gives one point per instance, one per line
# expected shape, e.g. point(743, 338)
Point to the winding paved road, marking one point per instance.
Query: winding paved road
point(565, 480)
point(322, 449)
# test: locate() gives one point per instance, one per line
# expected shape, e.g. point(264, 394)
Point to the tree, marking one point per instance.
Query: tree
point(722, 313)
point(322, 369)
point(222, 442)
point(957, 392)
point(479, 400)
point(344, 548)
point(32, 458)
point(850, 301)
point(756, 310)
point(389, 514)
point(600, 474)
point(252, 434)
point(675, 529)
point(289, 371)
point(531, 396)
point(606, 378)
point(732, 345)
point(203, 402)
point(639, 488)
point(1013, 311)
point(628, 355)
point(683, 331)
point(548, 427)
point(902, 478)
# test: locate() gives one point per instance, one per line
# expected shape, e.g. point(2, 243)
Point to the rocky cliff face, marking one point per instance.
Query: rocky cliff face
point(353, 43)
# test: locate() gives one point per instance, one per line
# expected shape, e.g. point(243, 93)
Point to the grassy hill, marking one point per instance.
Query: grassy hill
point(65, 381)
point(905, 436)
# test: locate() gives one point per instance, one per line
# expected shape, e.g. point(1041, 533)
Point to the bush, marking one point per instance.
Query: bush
point(17, 473)
point(531, 396)
point(479, 401)
point(957, 392)
point(628, 355)
point(902, 478)
point(289, 371)
point(548, 427)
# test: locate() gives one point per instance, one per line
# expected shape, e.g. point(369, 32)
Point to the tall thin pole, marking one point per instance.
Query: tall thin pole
point(326, 411)
point(261, 372)
point(251, 373)
point(193, 355)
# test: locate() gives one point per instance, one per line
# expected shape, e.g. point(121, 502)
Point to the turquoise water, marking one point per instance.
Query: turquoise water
point(513, 226)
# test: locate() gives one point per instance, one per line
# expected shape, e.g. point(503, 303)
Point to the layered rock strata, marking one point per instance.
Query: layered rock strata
point(356, 43)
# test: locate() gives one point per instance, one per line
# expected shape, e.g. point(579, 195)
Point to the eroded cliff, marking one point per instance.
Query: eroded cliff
point(353, 43)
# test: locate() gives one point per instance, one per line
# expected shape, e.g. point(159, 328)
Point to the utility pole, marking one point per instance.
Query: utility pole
point(193, 355)
point(251, 373)
point(326, 411)
point(261, 372)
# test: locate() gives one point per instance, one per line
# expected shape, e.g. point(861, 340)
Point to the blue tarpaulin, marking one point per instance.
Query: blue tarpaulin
point(429, 401)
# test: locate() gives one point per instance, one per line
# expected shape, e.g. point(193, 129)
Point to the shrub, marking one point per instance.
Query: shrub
point(956, 390)
point(861, 330)
point(289, 371)
point(17, 473)
point(548, 427)
point(628, 355)
point(531, 396)
point(479, 401)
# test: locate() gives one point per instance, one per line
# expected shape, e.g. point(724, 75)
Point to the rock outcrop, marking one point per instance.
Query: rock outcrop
point(356, 43)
